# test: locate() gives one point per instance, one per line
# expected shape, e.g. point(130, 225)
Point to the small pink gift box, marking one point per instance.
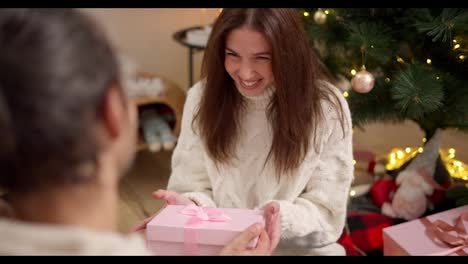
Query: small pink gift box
point(182, 230)
point(428, 236)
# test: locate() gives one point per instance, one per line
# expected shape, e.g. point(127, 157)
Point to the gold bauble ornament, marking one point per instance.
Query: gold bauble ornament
point(363, 81)
point(320, 17)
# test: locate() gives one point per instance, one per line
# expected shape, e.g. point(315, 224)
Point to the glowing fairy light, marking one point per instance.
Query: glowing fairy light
point(456, 168)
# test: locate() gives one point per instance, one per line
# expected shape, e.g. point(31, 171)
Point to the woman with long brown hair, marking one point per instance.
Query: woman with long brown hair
point(265, 127)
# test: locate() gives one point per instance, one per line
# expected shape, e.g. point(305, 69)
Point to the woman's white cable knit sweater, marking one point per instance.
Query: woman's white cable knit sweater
point(312, 203)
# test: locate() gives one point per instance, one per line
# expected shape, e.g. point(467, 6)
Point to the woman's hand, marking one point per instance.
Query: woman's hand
point(273, 224)
point(171, 198)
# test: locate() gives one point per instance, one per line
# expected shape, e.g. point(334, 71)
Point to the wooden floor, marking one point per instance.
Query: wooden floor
point(152, 170)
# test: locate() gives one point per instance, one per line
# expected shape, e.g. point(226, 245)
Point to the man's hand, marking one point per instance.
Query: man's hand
point(238, 246)
point(171, 198)
point(272, 224)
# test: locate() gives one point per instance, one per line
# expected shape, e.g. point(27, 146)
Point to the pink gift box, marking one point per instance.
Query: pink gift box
point(411, 238)
point(170, 232)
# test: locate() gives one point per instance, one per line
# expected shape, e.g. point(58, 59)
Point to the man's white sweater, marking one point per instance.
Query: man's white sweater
point(312, 202)
point(27, 238)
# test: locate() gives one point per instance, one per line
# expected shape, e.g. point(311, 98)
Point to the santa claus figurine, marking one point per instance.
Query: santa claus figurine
point(414, 190)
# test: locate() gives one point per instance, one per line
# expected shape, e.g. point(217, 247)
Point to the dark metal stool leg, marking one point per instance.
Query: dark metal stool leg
point(190, 67)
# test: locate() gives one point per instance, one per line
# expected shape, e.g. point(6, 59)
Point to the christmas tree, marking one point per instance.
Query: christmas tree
point(397, 64)
point(403, 64)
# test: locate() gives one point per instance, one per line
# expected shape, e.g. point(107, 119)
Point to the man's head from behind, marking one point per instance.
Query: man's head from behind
point(62, 110)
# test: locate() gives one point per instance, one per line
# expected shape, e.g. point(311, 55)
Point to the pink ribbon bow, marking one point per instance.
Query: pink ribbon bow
point(199, 215)
point(455, 237)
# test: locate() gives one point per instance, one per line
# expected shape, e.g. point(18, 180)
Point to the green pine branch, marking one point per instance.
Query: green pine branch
point(417, 92)
point(374, 106)
point(456, 101)
point(374, 40)
point(441, 27)
point(397, 44)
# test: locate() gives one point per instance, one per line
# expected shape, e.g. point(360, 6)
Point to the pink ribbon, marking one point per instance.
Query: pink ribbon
point(199, 215)
point(455, 237)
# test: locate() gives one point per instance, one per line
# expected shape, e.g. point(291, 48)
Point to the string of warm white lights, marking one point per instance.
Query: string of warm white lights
point(460, 45)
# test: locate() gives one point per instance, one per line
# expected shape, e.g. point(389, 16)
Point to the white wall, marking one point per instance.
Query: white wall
point(145, 34)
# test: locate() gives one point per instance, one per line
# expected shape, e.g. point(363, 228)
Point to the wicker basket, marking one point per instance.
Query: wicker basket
point(172, 97)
